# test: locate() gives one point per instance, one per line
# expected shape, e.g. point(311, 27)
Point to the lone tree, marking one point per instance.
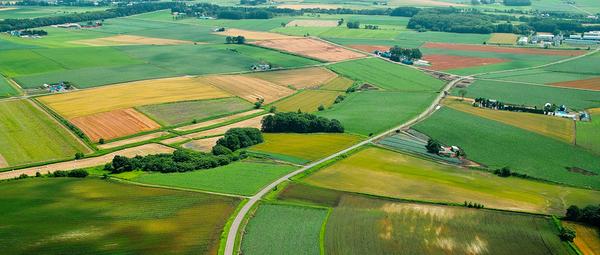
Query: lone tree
point(567, 234)
point(433, 146)
point(462, 93)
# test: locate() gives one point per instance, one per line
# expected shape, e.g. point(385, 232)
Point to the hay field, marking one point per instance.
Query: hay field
point(298, 78)
point(305, 146)
point(386, 173)
point(312, 48)
point(338, 84)
point(253, 35)
point(312, 23)
point(307, 101)
point(591, 84)
point(588, 238)
point(119, 40)
point(202, 145)
point(126, 95)
point(558, 128)
point(247, 87)
point(114, 124)
point(28, 135)
point(503, 38)
point(93, 216)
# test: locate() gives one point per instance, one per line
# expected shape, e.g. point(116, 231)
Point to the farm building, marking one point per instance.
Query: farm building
point(449, 151)
point(260, 67)
point(523, 40)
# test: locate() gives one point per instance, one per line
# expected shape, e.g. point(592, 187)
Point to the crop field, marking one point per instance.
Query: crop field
point(178, 112)
point(28, 135)
point(385, 32)
point(88, 214)
point(120, 40)
point(503, 38)
point(7, 90)
point(338, 84)
point(252, 35)
point(591, 84)
point(485, 141)
point(312, 23)
point(585, 65)
point(311, 48)
point(41, 11)
point(587, 132)
point(555, 127)
point(369, 226)
point(126, 95)
point(254, 122)
point(386, 173)
point(298, 78)
point(497, 49)
point(241, 178)
point(305, 146)
point(114, 124)
point(538, 76)
point(249, 88)
point(386, 75)
point(202, 145)
point(445, 62)
point(307, 101)
point(532, 95)
point(588, 238)
point(284, 229)
point(218, 121)
point(135, 139)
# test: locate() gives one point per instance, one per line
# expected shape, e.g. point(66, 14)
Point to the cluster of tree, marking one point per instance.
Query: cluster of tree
point(378, 11)
point(237, 138)
point(235, 39)
point(178, 161)
point(473, 205)
point(517, 2)
point(34, 32)
point(245, 14)
point(398, 53)
point(493, 104)
point(231, 12)
point(353, 24)
point(453, 22)
point(299, 122)
point(339, 99)
point(77, 173)
point(405, 11)
point(566, 234)
point(372, 27)
point(433, 146)
point(252, 2)
point(18, 24)
point(588, 215)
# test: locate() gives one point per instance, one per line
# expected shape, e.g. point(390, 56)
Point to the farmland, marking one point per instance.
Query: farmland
point(305, 146)
point(269, 231)
point(339, 84)
point(178, 112)
point(587, 132)
point(133, 219)
point(587, 239)
point(28, 135)
point(386, 173)
point(7, 90)
point(501, 38)
point(114, 124)
point(248, 88)
point(298, 78)
point(311, 48)
point(307, 101)
point(446, 62)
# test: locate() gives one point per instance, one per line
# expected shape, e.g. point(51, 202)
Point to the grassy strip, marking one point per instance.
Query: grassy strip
point(275, 156)
point(322, 233)
point(223, 240)
point(559, 226)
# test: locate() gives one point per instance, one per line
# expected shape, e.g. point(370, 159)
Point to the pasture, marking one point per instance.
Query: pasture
point(587, 132)
point(386, 173)
point(126, 95)
point(114, 124)
point(497, 145)
point(241, 178)
point(305, 146)
point(174, 113)
point(298, 78)
point(87, 214)
point(284, 229)
point(311, 48)
point(28, 135)
point(369, 226)
point(307, 101)
point(249, 88)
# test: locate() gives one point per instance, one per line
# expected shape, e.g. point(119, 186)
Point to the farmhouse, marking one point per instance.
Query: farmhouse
point(260, 67)
point(449, 151)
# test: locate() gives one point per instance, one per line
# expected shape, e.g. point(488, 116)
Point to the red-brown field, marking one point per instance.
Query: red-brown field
point(497, 49)
point(591, 84)
point(312, 48)
point(114, 124)
point(445, 62)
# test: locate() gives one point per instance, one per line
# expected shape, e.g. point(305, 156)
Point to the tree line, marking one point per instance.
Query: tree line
point(232, 12)
point(237, 138)
point(398, 53)
point(299, 122)
point(589, 215)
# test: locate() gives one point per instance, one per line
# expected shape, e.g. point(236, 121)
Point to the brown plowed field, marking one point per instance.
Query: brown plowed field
point(114, 124)
point(298, 78)
point(369, 48)
point(591, 84)
point(129, 40)
point(497, 49)
point(445, 62)
point(253, 35)
point(248, 88)
point(311, 48)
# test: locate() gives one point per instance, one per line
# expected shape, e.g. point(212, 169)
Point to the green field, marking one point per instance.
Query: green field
point(83, 216)
point(305, 146)
point(497, 145)
point(587, 133)
point(585, 65)
point(284, 229)
point(29, 135)
point(27, 12)
point(179, 112)
point(307, 101)
point(386, 173)
point(369, 226)
point(240, 178)
point(386, 32)
point(538, 76)
point(532, 95)
point(7, 90)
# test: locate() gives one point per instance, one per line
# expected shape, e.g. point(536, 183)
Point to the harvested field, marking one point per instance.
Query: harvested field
point(445, 62)
point(591, 84)
point(312, 48)
point(128, 40)
point(298, 78)
point(307, 101)
point(217, 121)
point(497, 49)
point(339, 83)
point(114, 124)
point(202, 145)
point(503, 38)
point(252, 35)
point(126, 95)
point(588, 238)
point(248, 88)
point(89, 162)
point(312, 23)
point(369, 48)
point(253, 122)
point(136, 139)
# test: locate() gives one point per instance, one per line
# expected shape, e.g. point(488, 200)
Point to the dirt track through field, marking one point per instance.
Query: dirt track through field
point(114, 124)
point(311, 48)
point(445, 62)
point(118, 40)
point(136, 139)
point(89, 162)
point(217, 121)
point(591, 84)
point(497, 49)
point(202, 145)
point(298, 78)
point(248, 87)
point(253, 122)
point(253, 35)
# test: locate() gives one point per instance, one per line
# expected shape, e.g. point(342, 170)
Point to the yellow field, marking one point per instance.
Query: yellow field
point(503, 38)
point(588, 238)
point(249, 88)
point(559, 128)
point(307, 101)
point(132, 94)
point(340, 83)
point(306, 146)
point(298, 78)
